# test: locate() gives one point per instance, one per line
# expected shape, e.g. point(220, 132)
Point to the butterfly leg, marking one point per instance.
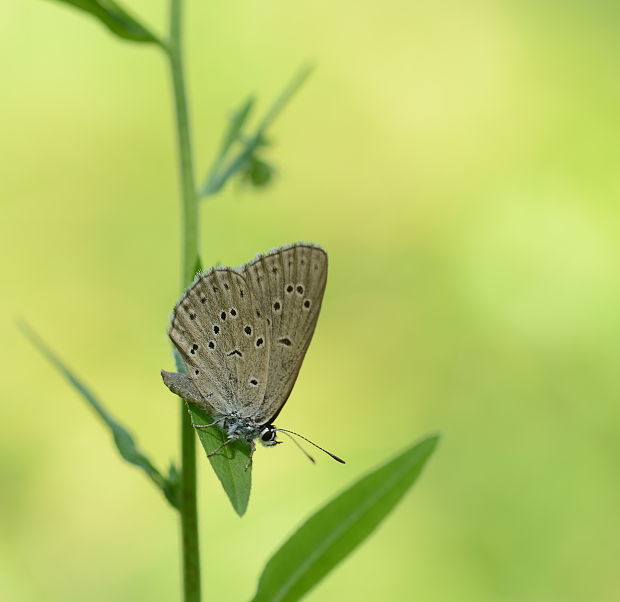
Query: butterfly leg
point(252, 450)
point(205, 426)
point(221, 447)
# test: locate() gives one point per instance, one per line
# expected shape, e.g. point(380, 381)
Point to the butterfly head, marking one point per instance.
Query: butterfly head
point(267, 435)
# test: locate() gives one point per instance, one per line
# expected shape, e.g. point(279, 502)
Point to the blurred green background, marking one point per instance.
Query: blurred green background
point(459, 161)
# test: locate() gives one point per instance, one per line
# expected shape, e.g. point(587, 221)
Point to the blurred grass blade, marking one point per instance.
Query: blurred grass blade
point(123, 439)
point(218, 175)
point(218, 179)
point(339, 527)
point(229, 463)
point(116, 19)
point(284, 98)
point(237, 121)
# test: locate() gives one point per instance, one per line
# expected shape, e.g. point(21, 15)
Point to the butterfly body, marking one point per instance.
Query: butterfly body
point(243, 333)
point(238, 426)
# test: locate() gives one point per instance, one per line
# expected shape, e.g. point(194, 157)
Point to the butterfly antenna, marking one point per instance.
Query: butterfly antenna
point(334, 456)
point(300, 447)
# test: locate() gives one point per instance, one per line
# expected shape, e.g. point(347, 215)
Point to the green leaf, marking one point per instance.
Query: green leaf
point(218, 179)
point(122, 437)
point(338, 528)
point(172, 484)
point(116, 19)
point(276, 108)
point(237, 121)
point(212, 183)
point(219, 175)
point(229, 463)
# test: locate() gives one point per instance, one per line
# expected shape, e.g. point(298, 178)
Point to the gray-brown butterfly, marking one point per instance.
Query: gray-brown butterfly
point(243, 333)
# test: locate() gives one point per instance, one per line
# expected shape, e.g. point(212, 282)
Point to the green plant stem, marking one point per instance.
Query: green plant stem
point(187, 503)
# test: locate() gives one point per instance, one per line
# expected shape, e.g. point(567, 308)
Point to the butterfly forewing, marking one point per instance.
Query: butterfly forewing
point(224, 341)
point(288, 284)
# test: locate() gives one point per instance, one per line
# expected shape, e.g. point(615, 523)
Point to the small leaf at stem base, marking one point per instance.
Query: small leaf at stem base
point(229, 463)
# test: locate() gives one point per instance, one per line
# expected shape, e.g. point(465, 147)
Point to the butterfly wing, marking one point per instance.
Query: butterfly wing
point(224, 343)
point(288, 283)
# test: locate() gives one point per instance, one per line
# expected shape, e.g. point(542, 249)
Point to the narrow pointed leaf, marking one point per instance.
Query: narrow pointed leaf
point(338, 528)
point(116, 19)
point(229, 463)
point(238, 164)
point(237, 121)
point(122, 437)
point(217, 177)
point(276, 108)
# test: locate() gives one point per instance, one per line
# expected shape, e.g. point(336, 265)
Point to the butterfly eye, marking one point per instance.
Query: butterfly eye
point(268, 434)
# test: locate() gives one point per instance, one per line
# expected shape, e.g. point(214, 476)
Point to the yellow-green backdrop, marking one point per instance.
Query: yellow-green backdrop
point(459, 161)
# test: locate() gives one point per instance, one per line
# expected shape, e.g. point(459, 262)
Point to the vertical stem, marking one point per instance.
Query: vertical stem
point(188, 506)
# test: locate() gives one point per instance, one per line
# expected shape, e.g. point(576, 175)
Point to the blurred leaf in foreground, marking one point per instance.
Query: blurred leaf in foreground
point(338, 528)
point(122, 437)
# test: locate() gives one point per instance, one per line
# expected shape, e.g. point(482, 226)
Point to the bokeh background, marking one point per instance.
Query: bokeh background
point(459, 161)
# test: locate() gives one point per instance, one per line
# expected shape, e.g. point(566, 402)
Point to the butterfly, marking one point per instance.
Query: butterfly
point(242, 334)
